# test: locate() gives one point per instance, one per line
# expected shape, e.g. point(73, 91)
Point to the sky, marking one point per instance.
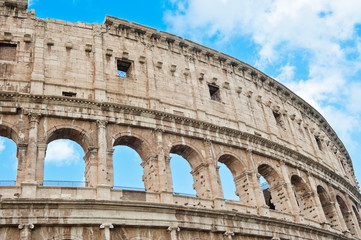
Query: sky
point(312, 47)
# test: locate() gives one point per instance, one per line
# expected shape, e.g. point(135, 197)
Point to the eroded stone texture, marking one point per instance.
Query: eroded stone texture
point(121, 83)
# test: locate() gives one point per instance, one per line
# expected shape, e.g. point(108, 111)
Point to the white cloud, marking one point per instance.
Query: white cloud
point(31, 2)
point(2, 144)
point(62, 152)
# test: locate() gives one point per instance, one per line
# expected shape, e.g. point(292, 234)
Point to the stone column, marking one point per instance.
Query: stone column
point(164, 179)
point(99, 82)
point(244, 189)
point(106, 227)
point(103, 186)
point(262, 208)
point(150, 172)
point(30, 166)
point(320, 213)
point(201, 181)
point(21, 155)
point(25, 231)
point(173, 232)
point(290, 193)
point(91, 168)
point(215, 183)
point(39, 174)
point(110, 167)
point(37, 76)
point(102, 153)
point(339, 214)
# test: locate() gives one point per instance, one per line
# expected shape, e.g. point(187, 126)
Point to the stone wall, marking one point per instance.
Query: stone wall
point(121, 83)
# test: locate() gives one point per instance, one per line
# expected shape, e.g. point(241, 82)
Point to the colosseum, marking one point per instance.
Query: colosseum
point(121, 83)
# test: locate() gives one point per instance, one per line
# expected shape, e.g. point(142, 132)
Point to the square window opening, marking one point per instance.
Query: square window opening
point(214, 92)
point(123, 68)
point(7, 52)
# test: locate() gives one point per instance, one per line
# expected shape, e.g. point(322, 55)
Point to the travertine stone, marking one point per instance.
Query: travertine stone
point(121, 83)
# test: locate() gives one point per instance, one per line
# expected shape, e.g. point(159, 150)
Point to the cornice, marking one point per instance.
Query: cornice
point(92, 205)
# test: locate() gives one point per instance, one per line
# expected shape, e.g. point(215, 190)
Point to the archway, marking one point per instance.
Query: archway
point(64, 164)
point(234, 182)
point(182, 178)
point(275, 196)
point(347, 215)
point(127, 169)
point(132, 157)
point(327, 206)
point(303, 196)
point(199, 169)
point(66, 160)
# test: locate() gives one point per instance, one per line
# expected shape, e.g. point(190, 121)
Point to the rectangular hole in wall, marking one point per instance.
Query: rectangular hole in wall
point(7, 52)
point(123, 68)
point(319, 144)
point(69, 94)
point(214, 92)
point(277, 116)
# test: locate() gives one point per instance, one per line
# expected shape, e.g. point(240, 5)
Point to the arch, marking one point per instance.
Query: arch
point(9, 132)
point(357, 214)
point(347, 214)
point(147, 157)
point(79, 136)
point(64, 164)
point(327, 206)
point(304, 198)
point(200, 173)
point(73, 133)
point(240, 180)
point(275, 192)
point(190, 154)
point(134, 141)
point(127, 169)
point(234, 164)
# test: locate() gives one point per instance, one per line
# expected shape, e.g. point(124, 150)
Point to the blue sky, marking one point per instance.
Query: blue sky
point(312, 47)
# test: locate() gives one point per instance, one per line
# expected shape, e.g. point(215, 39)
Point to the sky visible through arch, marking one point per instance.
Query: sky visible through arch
point(312, 47)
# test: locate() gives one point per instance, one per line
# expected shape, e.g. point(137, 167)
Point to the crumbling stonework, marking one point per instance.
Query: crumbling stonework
point(121, 83)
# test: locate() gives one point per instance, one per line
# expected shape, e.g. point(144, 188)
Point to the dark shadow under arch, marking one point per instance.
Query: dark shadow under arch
point(274, 193)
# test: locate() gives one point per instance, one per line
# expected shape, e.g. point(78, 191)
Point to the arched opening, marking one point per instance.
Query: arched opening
point(274, 195)
point(199, 170)
point(64, 164)
point(127, 169)
point(234, 182)
point(266, 192)
point(303, 197)
point(347, 215)
point(227, 182)
point(9, 161)
point(327, 206)
point(357, 214)
point(65, 158)
point(181, 176)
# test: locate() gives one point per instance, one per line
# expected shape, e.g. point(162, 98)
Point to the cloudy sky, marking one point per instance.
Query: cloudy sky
point(312, 47)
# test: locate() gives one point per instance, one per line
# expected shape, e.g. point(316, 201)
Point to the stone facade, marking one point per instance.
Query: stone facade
point(121, 83)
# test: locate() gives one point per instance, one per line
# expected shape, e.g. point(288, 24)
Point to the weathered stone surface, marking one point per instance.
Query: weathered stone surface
point(121, 83)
